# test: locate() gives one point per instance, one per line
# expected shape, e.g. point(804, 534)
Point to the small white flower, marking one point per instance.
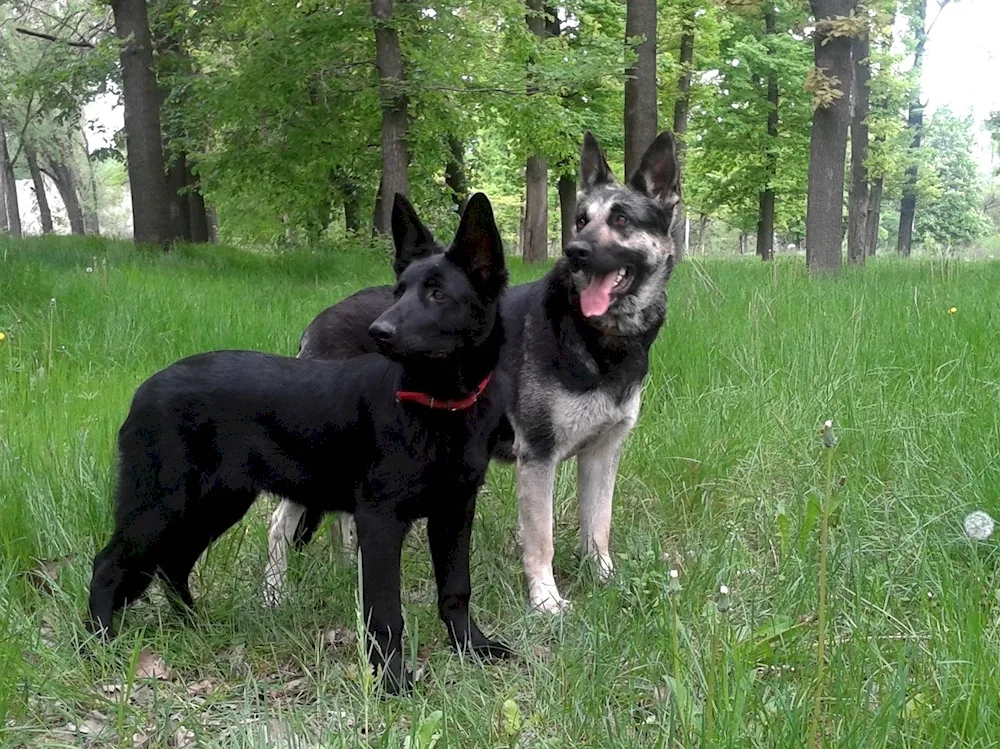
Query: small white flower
point(828, 435)
point(978, 525)
point(674, 574)
point(89, 269)
point(52, 302)
point(724, 590)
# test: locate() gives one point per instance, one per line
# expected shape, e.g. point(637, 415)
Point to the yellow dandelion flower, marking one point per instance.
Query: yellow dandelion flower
point(952, 310)
point(2, 336)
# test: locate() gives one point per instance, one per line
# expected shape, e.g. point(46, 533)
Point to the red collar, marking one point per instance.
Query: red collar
point(457, 404)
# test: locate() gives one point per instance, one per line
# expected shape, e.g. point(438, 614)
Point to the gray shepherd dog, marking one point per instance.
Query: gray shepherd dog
point(573, 362)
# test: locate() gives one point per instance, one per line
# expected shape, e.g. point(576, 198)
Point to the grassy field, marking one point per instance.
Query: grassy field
point(725, 480)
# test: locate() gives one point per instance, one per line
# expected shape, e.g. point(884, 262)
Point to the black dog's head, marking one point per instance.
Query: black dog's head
point(621, 254)
point(412, 240)
point(444, 302)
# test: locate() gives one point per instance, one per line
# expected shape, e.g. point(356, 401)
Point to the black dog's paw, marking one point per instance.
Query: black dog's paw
point(396, 680)
point(493, 650)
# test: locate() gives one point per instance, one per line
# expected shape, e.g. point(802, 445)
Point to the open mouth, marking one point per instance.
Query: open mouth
point(596, 298)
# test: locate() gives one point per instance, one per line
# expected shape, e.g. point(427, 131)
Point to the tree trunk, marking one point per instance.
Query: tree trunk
point(9, 185)
point(143, 135)
point(857, 204)
point(536, 211)
point(39, 184)
point(640, 82)
point(535, 231)
point(828, 144)
point(91, 221)
point(915, 124)
point(454, 174)
point(199, 217)
point(395, 157)
point(702, 232)
point(681, 108)
point(179, 209)
point(567, 208)
point(66, 182)
point(765, 225)
point(874, 216)
point(765, 217)
point(352, 208)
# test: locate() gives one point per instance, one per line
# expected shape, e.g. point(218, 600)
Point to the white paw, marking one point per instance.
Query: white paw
point(272, 595)
point(605, 568)
point(546, 599)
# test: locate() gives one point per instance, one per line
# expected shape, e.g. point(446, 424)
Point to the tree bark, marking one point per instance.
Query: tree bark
point(44, 212)
point(567, 208)
point(915, 124)
point(765, 217)
point(66, 182)
point(180, 206)
point(874, 216)
point(536, 211)
point(395, 157)
point(9, 185)
point(640, 82)
point(828, 145)
point(199, 217)
point(91, 220)
point(535, 231)
point(454, 174)
point(143, 134)
point(857, 204)
point(682, 107)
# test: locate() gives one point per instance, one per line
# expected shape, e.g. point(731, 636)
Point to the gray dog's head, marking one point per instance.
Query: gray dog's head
point(621, 254)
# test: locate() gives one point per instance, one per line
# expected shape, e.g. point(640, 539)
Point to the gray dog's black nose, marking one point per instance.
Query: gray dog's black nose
point(578, 252)
point(382, 330)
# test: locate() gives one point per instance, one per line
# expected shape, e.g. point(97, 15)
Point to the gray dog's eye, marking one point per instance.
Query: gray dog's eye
point(581, 222)
point(437, 295)
point(620, 219)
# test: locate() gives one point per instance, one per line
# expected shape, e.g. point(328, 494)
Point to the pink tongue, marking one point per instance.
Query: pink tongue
point(596, 298)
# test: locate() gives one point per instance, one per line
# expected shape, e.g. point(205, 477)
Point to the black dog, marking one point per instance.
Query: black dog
point(389, 441)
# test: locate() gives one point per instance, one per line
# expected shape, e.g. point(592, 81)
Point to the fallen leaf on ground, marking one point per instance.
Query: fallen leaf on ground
point(95, 724)
point(151, 666)
point(141, 741)
point(205, 686)
point(338, 637)
point(183, 738)
point(541, 652)
point(46, 572)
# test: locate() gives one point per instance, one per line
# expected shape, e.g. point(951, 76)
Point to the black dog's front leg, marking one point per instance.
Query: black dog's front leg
point(381, 541)
point(449, 532)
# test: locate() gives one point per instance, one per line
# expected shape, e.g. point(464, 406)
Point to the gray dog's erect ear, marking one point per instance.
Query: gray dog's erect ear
point(594, 169)
point(658, 175)
point(412, 239)
point(478, 249)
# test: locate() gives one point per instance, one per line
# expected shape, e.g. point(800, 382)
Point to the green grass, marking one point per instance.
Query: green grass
point(722, 479)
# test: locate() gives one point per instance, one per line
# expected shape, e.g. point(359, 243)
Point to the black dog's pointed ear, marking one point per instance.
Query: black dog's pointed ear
point(658, 175)
point(594, 169)
point(412, 239)
point(478, 249)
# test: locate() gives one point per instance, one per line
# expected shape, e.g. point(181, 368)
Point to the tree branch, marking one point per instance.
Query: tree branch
point(28, 32)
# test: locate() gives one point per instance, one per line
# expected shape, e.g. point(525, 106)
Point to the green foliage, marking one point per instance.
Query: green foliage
point(950, 189)
point(731, 159)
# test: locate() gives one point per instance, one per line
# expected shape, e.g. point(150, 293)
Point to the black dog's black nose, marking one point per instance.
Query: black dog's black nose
point(381, 330)
point(578, 252)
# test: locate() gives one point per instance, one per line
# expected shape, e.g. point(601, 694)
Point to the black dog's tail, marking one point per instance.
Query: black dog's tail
point(307, 526)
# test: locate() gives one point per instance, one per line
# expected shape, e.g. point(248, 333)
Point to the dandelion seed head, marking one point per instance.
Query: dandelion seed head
point(90, 269)
point(724, 590)
point(673, 573)
point(978, 525)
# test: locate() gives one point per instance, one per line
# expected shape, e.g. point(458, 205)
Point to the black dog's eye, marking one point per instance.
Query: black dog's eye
point(620, 219)
point(581, 222)
point(437, 295)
